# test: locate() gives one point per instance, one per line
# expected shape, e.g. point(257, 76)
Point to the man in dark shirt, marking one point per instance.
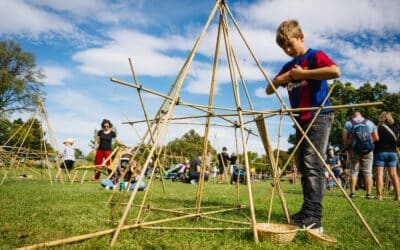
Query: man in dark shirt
point(223, 159)
point(194, 170)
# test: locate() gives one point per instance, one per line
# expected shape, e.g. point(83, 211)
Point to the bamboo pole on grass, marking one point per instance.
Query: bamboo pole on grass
point(19, 148)
point(113, 230)
point(280, 98)
point(179, 82)
point(200, 187)
point(47, 159)
point(238, 106)
point(52, 136)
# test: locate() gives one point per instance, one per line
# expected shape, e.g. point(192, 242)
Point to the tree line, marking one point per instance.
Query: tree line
point(21, 86)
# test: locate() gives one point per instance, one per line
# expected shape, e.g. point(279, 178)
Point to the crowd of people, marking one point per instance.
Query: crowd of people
point(368, 159)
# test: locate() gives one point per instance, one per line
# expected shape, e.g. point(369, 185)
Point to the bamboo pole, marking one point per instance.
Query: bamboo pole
point(47, 159)
point(283, 103)
point(238, 168)
point(200, 187)
point(146, 192)
point(19, 148)
point(112, 230)
point(200, 228)
point(179, 82)
point(52, 136)
point(84, 176)
point(238, 106)
point(141, 99)
point(306, 131)
point(16, 132)
point(114, 167)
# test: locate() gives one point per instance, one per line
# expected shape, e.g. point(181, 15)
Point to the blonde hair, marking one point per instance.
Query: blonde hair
point(386, 117)
point(288, 29)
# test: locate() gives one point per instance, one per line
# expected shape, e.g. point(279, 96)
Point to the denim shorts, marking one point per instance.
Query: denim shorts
point(385, 159)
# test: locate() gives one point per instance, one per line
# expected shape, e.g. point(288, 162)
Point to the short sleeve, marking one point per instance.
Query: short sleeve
point(113, 134)
point(322, 60)
point(285, 68)
point(99, 133)
point(372, 126)
point(347, 126)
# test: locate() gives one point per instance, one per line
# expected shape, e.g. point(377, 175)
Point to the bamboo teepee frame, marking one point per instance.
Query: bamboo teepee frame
point(19, 148)
point(158, 126)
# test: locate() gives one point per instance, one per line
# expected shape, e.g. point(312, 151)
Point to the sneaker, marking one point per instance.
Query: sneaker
point(298, 215)
point(307, 222)
point(352, 195)
point(369, 197)
point(193, 181)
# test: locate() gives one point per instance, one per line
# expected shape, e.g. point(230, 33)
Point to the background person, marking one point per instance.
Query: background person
point(385, 155)
point(103, 145)
point(68, 157)
point(223, 159)
point(359, 161)
point(194, 171)
point(334, 162)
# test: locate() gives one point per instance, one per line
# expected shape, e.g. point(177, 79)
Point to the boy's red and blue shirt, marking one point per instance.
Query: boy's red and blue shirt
point(307, 92)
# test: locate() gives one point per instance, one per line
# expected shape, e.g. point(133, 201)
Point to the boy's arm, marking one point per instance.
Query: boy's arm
point(323, 73)
point(278, 81)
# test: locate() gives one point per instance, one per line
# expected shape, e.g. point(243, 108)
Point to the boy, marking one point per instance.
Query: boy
point(305, 79)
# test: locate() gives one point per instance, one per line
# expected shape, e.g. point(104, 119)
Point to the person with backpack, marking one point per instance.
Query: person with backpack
point(385, 155)
point(358, 136)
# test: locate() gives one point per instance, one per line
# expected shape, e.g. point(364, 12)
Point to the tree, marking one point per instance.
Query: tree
point(33, 138)
point(78, 153)
point(20, 85)
point(347, 94)
point(189, 145)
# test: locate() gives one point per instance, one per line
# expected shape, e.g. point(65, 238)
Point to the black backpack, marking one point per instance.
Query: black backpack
point(361, 139)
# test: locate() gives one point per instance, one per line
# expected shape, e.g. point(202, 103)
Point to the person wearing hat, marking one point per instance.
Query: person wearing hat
point(68, 157)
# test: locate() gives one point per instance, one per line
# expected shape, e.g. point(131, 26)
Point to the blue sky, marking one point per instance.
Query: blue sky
point(81, 44)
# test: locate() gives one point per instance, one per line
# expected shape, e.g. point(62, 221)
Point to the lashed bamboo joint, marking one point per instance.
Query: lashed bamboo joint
point(157, 129)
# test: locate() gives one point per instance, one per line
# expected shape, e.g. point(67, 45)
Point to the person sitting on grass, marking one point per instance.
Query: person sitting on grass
point(194, 171)
point(334, 162)
point(125, 175)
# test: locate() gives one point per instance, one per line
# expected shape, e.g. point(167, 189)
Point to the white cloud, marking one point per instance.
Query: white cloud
point(354, 39)
point(19, 18)
point(56, 76)
point(145, 51)
point(100, 11)
point(343, 15)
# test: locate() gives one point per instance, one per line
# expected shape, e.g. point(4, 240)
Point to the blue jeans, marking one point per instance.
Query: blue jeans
point(310, 166)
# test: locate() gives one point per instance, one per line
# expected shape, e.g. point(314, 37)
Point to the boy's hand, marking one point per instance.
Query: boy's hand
point(296, 73)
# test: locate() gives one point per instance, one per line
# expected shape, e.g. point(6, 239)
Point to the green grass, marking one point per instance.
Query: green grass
point(32, 211)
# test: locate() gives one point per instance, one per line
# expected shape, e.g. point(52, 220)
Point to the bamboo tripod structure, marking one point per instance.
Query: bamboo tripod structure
point(19, 149)
point(157, 129)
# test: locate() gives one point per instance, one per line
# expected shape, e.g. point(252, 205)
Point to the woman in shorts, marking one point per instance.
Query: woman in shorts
point(385, 155)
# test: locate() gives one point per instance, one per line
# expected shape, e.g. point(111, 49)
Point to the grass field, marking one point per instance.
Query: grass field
point(33, 211)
